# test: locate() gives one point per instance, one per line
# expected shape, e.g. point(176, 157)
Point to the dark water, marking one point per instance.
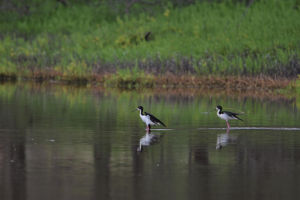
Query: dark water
point(67, 142)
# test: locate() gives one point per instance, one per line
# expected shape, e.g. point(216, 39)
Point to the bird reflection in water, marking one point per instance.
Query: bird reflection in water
point(225, 139)
point(147, 140)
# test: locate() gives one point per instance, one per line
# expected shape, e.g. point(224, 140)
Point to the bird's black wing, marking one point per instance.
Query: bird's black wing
point(154, 119)
point(232, 114)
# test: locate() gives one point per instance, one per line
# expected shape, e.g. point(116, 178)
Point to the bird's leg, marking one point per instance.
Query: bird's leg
point(148, 129)
point(227, 124)
point(227, 130)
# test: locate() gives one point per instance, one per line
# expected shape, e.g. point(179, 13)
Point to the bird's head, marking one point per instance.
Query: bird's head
point(217, 108)
point(138, 108)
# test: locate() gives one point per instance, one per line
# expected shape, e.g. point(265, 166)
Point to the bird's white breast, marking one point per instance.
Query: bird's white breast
point(146, 119)
point(224, 116)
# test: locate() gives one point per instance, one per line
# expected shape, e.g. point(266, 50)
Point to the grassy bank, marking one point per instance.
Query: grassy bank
point(88, 43)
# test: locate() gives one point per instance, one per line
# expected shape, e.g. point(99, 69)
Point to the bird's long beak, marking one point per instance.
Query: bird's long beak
point(135, 110)
point(212, 110)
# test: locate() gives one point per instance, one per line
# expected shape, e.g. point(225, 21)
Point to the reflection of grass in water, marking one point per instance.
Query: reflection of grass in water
point(7, 91)
point(196, 40)
point(45, 100)
point(292, 90)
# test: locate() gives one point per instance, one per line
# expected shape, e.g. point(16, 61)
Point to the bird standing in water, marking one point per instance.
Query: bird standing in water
point(226, 115)
point(148, 118)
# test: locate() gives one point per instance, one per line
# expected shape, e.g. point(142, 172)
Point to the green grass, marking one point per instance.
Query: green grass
point(130, 77)
point(211, 38)
point(292, 89)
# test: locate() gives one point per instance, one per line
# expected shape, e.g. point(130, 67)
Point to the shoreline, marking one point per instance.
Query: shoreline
point(189, 93)
point(261, 82)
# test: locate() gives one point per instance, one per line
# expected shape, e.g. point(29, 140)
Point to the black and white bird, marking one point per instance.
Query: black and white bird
point(148, 118)
point(226, 115)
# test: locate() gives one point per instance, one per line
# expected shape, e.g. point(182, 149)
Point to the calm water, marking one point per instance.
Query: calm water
point(67, 142)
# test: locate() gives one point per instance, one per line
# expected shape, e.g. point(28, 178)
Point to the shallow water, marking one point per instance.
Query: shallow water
point(68, 142)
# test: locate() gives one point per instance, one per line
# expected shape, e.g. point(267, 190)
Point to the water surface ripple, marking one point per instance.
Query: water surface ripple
point(69, 142)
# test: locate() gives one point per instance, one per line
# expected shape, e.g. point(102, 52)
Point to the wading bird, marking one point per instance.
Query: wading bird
point(148, 118)
point(226, 115)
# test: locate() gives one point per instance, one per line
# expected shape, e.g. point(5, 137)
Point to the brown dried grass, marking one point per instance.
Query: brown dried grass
point(169, 80)
point(262, 82)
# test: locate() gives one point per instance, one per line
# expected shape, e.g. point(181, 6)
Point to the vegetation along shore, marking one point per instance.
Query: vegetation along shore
point(248, 44)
